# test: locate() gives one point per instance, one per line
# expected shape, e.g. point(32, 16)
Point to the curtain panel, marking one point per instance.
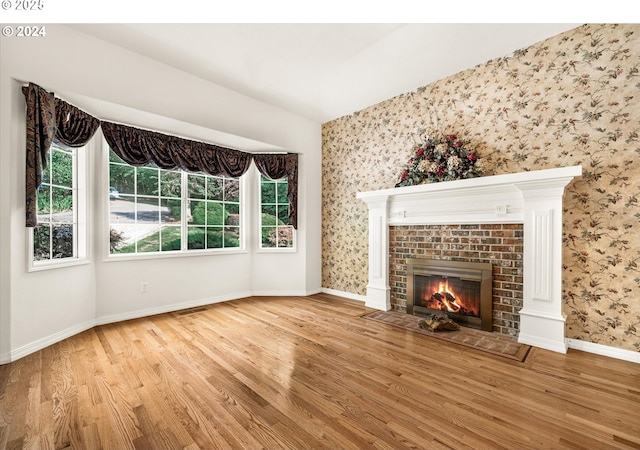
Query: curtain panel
point(41, 127)
point(50, 118)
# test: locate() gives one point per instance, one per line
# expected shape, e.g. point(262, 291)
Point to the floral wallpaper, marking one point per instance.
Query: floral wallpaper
point(571, 99)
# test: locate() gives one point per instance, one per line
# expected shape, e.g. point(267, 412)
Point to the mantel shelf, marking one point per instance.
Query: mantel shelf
point(490, 183)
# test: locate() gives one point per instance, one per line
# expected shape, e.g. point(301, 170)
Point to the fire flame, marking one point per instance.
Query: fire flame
point(448, 297)
point(445, 299)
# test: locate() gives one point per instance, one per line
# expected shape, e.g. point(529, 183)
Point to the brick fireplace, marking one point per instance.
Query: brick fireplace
point(501, 203)
point(501, 245)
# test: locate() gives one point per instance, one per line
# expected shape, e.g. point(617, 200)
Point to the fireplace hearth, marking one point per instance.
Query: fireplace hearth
point(461, 290)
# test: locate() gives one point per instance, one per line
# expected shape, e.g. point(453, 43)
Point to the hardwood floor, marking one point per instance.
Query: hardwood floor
point(306, 372)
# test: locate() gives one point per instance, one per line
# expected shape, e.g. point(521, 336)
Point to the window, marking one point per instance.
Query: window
point(276, 230)
point(58, 238)
point(154, 210)
point(214, 212)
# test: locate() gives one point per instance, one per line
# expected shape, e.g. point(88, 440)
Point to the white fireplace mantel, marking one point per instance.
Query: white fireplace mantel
point(531, 198)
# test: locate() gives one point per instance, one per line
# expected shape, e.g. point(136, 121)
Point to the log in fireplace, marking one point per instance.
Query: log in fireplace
point(461, 290)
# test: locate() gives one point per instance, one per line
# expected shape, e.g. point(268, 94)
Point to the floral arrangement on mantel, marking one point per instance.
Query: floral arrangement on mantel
point(440, 158)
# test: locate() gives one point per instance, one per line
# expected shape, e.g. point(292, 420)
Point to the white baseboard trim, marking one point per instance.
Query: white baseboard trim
point(5, 358)
point(314, 291)
point(44, 342)
point(169, 308)
point(559, 346)
point(604, 350)
point(293, 293)
point(349, 295)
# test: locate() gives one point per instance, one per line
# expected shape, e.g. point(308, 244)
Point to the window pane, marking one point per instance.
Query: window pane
point(231, 237)
point(149, 239)
point(171, 211)
point(147, 181)
point(61, 205)
point(148, 211)
point(170, 238)
point(215, 213)
point(283, 214)
point(195, 238)
point(62, 241)
point(232, 190)
point(214, 237)
point(196, 184)
point(170, 183)
point(41, 244)
point(282, 192)
point(122, 178)
point(44, 200)
point(198, 211)
point(233, 218)
point(61, 168)
point(268, 191)
point(285, 236)
point(215, 188)
point(269, 210)
point(232, 214)
point(269, 237)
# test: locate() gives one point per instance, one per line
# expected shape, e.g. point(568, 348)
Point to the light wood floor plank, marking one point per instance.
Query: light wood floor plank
point(306, 373)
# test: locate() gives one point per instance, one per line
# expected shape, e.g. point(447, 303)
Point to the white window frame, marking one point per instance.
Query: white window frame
point(80, 207)
point(260, 248)
point(184, 251)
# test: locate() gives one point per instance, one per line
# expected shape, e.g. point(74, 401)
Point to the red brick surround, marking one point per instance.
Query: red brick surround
point(498, 244)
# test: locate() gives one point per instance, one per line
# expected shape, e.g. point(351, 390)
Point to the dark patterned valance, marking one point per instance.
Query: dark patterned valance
point(141, 147)
point(49, 118)
point(74, 127)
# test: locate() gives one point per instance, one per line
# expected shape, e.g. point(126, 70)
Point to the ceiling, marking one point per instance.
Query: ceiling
point(322, 71)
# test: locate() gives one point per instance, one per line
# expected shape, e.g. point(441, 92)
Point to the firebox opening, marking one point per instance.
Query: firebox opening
point(460, 290)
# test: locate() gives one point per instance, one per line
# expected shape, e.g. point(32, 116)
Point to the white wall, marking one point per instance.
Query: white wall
point(38, 308)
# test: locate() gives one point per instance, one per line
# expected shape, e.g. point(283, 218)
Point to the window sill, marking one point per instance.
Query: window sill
point(278, 250)
point(178, 254)
point(57, 264)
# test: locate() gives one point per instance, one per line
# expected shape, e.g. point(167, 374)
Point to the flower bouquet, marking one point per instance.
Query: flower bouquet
point(442, 158)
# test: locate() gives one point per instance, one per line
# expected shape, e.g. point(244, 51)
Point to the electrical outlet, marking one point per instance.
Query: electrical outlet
point(144, 287)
